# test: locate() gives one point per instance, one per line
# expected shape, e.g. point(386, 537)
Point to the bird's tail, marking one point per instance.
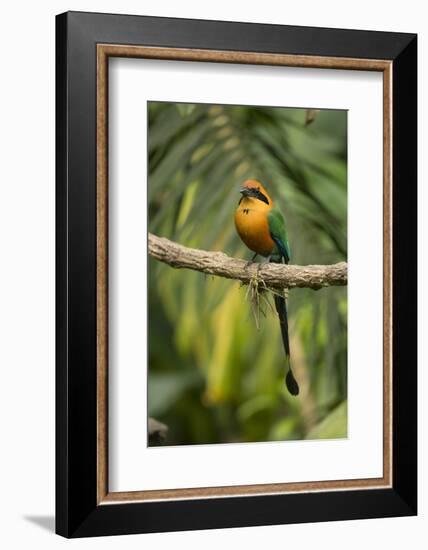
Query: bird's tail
point(281, 308)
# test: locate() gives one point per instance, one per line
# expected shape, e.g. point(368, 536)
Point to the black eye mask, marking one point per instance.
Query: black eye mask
point(257, 194)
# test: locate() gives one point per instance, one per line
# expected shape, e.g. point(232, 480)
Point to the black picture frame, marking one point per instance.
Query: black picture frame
point(77, 512)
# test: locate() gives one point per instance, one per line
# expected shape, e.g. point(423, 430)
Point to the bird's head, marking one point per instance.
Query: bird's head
point(254, 189)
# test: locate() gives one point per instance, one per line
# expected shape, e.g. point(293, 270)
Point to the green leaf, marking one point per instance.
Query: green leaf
point(334, 426)
point(165, 388)
point(283, 430)
point(185, 109)
point(254, 406)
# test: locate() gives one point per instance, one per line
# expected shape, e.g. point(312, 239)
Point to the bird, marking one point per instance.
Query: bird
point(261, 226)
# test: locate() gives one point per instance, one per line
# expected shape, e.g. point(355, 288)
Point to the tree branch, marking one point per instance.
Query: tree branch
point(276, 276)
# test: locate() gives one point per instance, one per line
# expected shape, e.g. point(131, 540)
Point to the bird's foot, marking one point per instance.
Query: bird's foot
point(247, 265)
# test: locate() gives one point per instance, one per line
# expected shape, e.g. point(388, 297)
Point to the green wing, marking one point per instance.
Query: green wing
point(278, 233)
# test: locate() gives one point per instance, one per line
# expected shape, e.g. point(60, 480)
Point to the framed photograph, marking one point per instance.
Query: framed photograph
point(236, 274)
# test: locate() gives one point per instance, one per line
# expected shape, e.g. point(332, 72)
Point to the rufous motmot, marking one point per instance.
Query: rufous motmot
point(261, 226)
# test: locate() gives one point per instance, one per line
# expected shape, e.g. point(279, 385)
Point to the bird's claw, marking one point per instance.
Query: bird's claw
point(263, 263)
point(247, 265)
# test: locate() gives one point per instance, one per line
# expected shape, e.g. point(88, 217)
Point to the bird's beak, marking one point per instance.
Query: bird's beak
point(245, 191)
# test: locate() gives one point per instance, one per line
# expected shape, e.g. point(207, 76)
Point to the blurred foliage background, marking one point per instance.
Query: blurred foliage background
point(213, 376)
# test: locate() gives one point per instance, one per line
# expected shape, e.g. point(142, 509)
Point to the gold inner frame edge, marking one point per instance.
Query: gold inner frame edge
point(104, 51)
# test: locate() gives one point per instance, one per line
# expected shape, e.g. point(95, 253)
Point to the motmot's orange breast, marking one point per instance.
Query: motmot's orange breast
point(253, 228)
